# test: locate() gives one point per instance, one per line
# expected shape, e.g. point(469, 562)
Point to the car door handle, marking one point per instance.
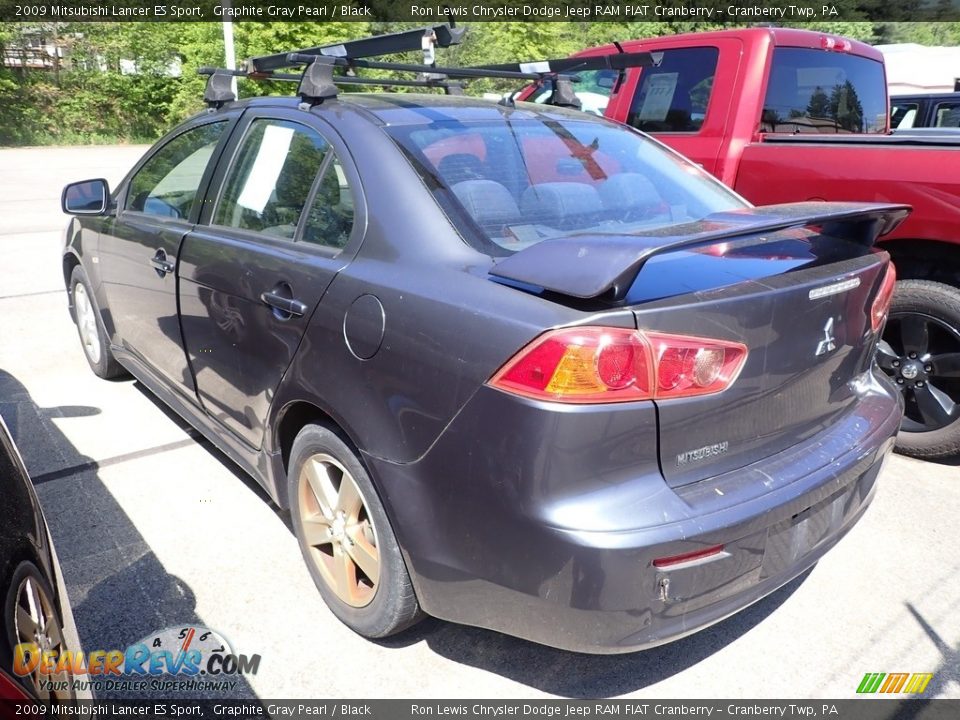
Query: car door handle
point(164, 266)
point(291, 306)
point(161, 264)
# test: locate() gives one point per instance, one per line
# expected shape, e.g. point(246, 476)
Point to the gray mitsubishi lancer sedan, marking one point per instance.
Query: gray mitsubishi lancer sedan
point(508, 365)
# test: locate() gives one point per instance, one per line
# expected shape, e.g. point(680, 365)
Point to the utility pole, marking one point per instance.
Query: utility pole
point(229, 52)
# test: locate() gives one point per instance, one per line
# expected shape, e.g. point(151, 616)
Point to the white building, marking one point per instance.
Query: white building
point(913, 68)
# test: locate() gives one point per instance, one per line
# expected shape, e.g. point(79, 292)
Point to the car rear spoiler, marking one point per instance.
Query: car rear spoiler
point(591, 265)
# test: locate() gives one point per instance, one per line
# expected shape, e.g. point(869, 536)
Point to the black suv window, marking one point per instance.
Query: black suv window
point(811, 91)
point(903, 114)
point(673, 96)
point(168, 182)
point(947, 114)
point(270, 181)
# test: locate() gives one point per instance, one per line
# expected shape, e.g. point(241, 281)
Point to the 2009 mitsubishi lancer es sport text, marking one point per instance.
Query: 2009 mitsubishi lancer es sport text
point(511, 366)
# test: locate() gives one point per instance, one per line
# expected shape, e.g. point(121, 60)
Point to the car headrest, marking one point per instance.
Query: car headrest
point(628, 191)
point(561, 204)
point(488, 202)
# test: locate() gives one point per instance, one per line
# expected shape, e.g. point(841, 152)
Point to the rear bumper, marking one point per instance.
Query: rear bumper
point(546, 529)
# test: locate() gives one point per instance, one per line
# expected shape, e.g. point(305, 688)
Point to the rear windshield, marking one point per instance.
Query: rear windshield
point(814, 91)
point(512, 183)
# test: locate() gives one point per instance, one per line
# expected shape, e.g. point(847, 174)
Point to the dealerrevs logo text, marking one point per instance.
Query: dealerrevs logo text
point(135, 660)
point(186, 651)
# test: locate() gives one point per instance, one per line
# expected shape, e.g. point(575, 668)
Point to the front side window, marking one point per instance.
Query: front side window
point(270, 180)
point(592, 89)
point(168, 182)
point(511, 184)
point(673, 96)
point(814, 91)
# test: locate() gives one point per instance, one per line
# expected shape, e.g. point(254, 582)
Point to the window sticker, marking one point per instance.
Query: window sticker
point(263, 176)
point(659, 97)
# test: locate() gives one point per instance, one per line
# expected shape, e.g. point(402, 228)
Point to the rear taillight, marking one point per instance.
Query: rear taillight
point(881, 303)
point(600, 365)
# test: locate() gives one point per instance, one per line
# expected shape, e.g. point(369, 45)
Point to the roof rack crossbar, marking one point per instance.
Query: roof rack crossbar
point(455, 72)
point(443, 35)
point(612, 61)
point(452, 88)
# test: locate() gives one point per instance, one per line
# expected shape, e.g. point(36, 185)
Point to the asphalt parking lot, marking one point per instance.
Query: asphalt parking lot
point(154, 529)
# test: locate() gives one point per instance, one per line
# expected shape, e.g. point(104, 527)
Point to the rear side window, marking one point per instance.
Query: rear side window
point(168, 182)
point(673, 96)
point(947, 115)
point(272, 176)
point(814, 91)
point(330, 219)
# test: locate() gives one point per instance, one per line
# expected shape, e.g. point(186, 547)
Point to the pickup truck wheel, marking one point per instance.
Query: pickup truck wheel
point(93, 336)
point(346, 538)
point(920, 351)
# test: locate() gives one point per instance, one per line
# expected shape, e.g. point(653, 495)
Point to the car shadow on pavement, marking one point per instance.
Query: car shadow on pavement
point(120, 591)
point(196, 438)
point(578, 675)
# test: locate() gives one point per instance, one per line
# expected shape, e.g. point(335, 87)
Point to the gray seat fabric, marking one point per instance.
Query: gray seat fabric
point(629, 196)
point(563, 205)
point(488, 202)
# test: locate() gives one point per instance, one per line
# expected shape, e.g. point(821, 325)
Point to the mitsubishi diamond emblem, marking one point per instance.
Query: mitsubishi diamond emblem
point(828, 343)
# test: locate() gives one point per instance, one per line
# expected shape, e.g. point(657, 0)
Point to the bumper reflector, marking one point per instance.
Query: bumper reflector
point(689, 558)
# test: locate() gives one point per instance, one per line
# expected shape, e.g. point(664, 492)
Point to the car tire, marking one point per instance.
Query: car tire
point(30, 594)
point(920, 351)
point(346, 537)
point(93, 335)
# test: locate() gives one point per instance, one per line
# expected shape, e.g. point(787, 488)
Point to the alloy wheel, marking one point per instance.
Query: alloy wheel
point(336, 525)
point(87, 323)
point(922, 355)
point(35, 622)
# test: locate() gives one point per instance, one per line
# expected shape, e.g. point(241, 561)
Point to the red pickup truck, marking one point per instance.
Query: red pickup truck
point(785, 115)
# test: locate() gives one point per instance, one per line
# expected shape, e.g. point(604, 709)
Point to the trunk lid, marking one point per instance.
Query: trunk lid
point(808, 337)
point(794, 283)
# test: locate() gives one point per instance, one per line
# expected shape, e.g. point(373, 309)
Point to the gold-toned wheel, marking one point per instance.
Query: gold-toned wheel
point(336, 526)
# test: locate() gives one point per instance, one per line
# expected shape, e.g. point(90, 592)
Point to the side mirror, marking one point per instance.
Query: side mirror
point(87, 197)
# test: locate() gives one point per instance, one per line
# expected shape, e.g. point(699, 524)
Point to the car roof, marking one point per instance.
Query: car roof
point(926, 96)
point(423, 109)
